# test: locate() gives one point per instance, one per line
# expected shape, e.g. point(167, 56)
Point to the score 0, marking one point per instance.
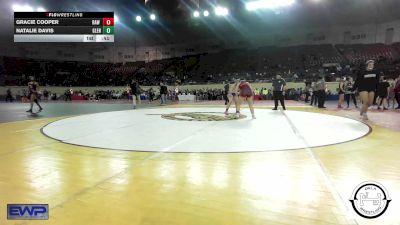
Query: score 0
point(108, 21)
point(108, 25)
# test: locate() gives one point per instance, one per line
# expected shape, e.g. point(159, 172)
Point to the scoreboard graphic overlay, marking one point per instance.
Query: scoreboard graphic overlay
point(63, 26)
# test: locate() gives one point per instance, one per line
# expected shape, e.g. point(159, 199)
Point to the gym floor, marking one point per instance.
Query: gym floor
point(48, 158)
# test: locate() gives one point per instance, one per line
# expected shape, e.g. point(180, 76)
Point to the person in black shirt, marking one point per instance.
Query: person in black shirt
point(68, 94)
point(307, 91)
point(9, 96)
point(321, 89)
point(163, 93)
point(349, 92)
point(383, 92)
point(45, 94)
point(135, 92)
point(396, 91)
point(151, 94)
point(226, 91)
point(366, 84)
point(278, 86)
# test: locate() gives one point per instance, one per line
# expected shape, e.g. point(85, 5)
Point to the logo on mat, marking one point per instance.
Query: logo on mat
point(201, 116)
point(27, 212)
point(370, 199)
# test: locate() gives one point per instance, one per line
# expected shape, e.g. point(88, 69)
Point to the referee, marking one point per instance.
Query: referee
point(226, 92)
point(278, 86)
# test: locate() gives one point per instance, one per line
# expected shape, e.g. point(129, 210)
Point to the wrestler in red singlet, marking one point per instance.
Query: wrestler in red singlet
point(245, 90)
point(246, 94)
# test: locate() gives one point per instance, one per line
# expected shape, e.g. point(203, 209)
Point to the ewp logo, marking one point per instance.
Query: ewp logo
point(27, 212)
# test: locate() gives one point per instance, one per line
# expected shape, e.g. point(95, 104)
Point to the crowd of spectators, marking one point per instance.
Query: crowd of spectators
point(295, 64)
point(150, 94)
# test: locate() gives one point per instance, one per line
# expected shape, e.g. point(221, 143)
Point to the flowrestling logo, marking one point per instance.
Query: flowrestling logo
point(370, 199)
point(27, 212)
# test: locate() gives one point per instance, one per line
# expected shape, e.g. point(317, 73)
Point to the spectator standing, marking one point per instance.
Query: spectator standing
point(68, 95)
point(349, 92)
point(307, 91)
point(397, 91)
point(45, 95)
point(341, 92)
point(391, 97)
point(135, 92)
point(9, 95)
point(163, 93)
point(383, 92)
point(263, 93)
point(151, 94)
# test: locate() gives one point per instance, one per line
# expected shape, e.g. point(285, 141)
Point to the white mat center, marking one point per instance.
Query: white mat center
point(147, 130)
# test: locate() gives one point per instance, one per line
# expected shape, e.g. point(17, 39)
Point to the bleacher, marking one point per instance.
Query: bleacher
point(358, 54)
point(257, 65)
